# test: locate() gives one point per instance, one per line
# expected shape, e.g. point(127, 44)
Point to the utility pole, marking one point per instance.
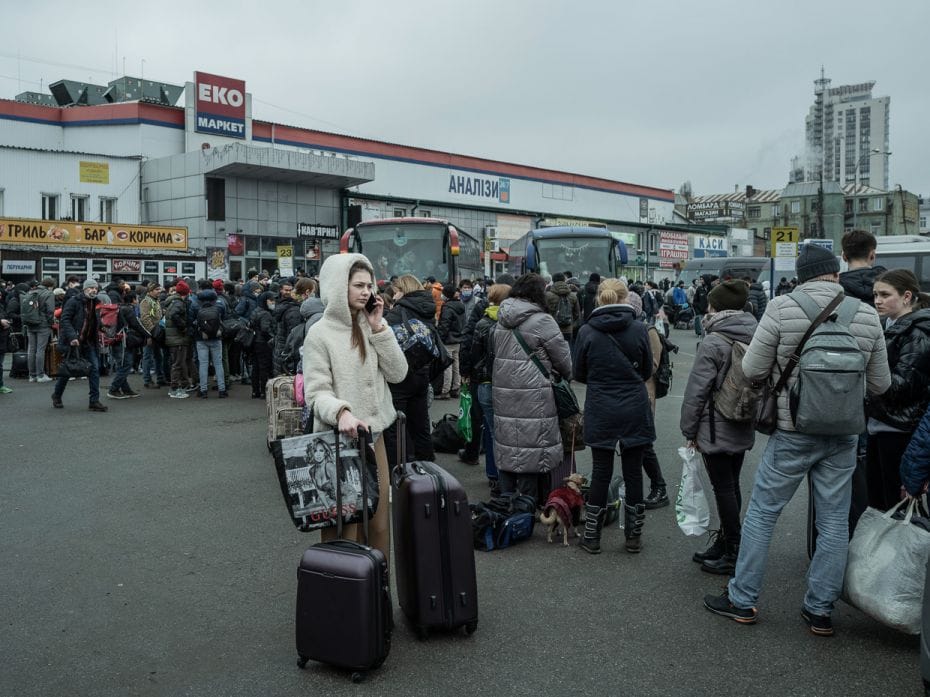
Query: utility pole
point(820, 229)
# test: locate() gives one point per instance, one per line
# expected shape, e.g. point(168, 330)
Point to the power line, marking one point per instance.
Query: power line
point(42, 61)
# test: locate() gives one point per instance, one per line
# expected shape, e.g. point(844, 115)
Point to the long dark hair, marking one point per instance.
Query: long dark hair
point(531, 287)
point(358, 338)
point(903, 280)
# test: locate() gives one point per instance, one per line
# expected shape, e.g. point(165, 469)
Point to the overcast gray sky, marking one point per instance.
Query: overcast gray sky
point(654, 93)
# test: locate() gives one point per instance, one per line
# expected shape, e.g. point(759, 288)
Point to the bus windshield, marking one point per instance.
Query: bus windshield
point(398, 249)
point(582, 256)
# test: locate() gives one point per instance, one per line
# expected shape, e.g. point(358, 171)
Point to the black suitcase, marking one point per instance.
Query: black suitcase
point(344, 613)
point(19, 365)
point(434, 556)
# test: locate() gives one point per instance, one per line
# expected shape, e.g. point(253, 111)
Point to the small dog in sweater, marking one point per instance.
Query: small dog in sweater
point(563, 507)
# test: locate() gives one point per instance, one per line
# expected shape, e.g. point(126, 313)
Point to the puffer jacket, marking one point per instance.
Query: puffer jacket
point(526, 422)
point(417, 305)
point(177, 308)
point(780, 332)
point(452, 322)
point(759, 299)
point(554, 296)
point(858, 283)
point(311, 311)
point(481, 358)
point(908, 344)
point(286, 317)
point(915, 463)
point(616, 407)
point(707, 374)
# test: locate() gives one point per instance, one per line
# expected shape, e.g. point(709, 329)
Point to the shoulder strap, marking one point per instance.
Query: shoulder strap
point(532, 356)
point(800, 299)
point(619, 348)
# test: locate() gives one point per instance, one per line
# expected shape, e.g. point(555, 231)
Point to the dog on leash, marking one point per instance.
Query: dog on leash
point(563, 507)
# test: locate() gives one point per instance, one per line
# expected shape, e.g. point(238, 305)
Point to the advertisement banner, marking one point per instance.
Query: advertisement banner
point(709, 247)
point(673, 248)
point(220, 105)
point(126, 266)
point(59, 233)
point(217, 266)
point(286, 260)
point(94, 172)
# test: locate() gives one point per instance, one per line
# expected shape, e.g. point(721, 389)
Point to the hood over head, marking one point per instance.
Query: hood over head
point(735, 324)
point(208, 295)
point(334, 285)
point(264, 298)
point(311, 306)
point(561, 288)
point(515, 311)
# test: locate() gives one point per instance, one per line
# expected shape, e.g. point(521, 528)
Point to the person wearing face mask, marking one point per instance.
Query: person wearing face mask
point(262, 323)
point(894, 415)
point(78, 328)
point(467, 296)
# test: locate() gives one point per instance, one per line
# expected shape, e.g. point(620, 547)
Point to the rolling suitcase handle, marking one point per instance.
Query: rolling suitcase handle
point(400, 426)
point(364, 438)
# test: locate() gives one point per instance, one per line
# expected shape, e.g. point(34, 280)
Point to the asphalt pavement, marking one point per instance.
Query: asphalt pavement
point(147, 551)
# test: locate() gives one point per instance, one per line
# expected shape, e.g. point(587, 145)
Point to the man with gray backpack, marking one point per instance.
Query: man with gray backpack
point(825, 353)
point(37, 312)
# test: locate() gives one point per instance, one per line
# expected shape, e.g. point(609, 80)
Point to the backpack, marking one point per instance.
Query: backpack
point(738, 398)
point(419, 341)
point(446, 438)
point(209, 322)
point(108, 324)
point(503, 521)
point(30, 309)
point(663, 374)
point(828, 398)
point(563, 314)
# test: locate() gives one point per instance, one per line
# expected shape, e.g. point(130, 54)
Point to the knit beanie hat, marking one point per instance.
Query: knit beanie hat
point(218, 285)
point(636, 302)
point(91, 283)
point(813, 261)
point(182, 288)
point(729, 295)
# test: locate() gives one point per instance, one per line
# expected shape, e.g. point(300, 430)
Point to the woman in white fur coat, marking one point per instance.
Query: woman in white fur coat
point(349, 358)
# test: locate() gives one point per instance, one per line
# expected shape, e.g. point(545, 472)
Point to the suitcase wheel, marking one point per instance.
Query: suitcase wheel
point(357, 677)
point(471, 627)
point(302, 662)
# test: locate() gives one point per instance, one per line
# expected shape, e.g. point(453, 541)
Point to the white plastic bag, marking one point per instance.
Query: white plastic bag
point(691, 508)
point(887, 566)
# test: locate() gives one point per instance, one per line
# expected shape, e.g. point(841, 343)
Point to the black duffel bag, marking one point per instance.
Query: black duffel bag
point(446, 438)
point(74, 365)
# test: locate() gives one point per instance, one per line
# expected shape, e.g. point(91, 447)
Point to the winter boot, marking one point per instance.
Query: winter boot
point(633, 517)
point(715, 551)
point(593, 522)
point(725, 565)
point(658, 497)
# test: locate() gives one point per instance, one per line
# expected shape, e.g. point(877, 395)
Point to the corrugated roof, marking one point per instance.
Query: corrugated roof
point(861, 190)
point(70, 152)
point(811, 189)
point(767, 196)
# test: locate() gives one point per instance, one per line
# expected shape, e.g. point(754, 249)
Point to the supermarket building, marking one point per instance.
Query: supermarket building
point(116, 180)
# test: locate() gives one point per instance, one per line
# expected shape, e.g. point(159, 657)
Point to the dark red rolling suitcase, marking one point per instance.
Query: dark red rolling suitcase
point(344, 612)
point(434, 555)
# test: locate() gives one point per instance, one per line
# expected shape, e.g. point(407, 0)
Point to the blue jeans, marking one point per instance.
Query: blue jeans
point(205, 351)
point(153, 362)
point(788, 457)
point(88, 351)
point(483, 395)
point(121, 359)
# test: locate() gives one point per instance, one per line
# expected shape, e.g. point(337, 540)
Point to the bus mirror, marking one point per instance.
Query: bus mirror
point(530, 257)
point(621, 253)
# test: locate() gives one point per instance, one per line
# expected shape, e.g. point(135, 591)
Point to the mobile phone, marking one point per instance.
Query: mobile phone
point(371, 304)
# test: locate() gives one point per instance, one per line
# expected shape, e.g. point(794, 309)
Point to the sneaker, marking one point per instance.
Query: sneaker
point(178, 394)
point(32, 378)
point(96, 406)
point(56, 402)
point(463, 457)
point(44, 378)
point(721, 605)
point(5, 390)
point(115, 394)
point(129, 392)
point(658, 497)
point(190, 388)
point(821, 625)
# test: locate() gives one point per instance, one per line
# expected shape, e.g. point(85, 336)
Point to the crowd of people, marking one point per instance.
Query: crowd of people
point(507, 342)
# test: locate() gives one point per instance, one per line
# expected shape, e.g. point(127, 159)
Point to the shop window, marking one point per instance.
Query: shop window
point(216, 198)
point(99, 265)
point(79, 207)
point(107, 210)
point(49, 206)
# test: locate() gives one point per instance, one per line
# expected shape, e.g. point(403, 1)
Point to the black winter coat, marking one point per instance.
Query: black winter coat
point(481, 355)
point(908, 344)
point(858, 283)
point(262, 323)
point(616, 407)
point(78, 321)
point(588, 300)
point(417, 305)
point(452, 322)
point(759, 299)
point(286, 317)
point(700, 300)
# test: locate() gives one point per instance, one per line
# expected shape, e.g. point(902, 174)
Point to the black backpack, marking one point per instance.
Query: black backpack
point(663, 374)
point(446, 438)
point(563, 314)
point(209, 322)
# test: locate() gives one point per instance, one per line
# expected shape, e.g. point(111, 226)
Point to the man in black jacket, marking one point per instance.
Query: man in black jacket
point(78, 329)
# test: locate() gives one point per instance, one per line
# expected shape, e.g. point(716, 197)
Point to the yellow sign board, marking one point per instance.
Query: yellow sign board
point(59, 233)
point(784, 242)
point(285, 260)
point(94, 172)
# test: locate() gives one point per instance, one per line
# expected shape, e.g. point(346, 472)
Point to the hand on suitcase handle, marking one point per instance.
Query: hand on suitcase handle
point(349, 425)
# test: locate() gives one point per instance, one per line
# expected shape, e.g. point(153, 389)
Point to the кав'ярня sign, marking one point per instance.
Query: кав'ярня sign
point(22, 231)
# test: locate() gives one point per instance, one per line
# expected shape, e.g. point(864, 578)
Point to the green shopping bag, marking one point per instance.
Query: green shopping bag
point(464, 425)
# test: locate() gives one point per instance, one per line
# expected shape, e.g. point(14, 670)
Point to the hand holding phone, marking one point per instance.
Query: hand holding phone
point(371, 304)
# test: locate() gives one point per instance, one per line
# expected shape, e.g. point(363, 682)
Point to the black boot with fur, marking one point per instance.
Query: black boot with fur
point(633, 517)
point(725, 565)
point(593, 522)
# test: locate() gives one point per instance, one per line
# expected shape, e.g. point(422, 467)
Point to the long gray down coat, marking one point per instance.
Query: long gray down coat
point(710, 368)
point(526, 423)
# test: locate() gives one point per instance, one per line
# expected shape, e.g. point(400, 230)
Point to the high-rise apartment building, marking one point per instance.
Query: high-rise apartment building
point(848, 135)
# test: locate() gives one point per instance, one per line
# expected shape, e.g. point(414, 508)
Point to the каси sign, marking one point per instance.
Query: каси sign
point(220, 105)
point(67, 234)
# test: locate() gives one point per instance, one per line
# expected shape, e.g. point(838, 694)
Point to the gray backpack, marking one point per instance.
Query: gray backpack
point(828, 398)
point(737, 399)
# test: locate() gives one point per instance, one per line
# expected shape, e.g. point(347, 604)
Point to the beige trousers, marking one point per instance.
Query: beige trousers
point(379, 526)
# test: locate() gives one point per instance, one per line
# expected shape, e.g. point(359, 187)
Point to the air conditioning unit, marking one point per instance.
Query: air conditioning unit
point(490, 232)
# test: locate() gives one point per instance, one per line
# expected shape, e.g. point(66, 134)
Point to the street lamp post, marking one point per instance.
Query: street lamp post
point(873, 151)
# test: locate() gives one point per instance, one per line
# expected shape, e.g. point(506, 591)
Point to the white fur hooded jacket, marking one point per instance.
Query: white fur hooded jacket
point(334, 374)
